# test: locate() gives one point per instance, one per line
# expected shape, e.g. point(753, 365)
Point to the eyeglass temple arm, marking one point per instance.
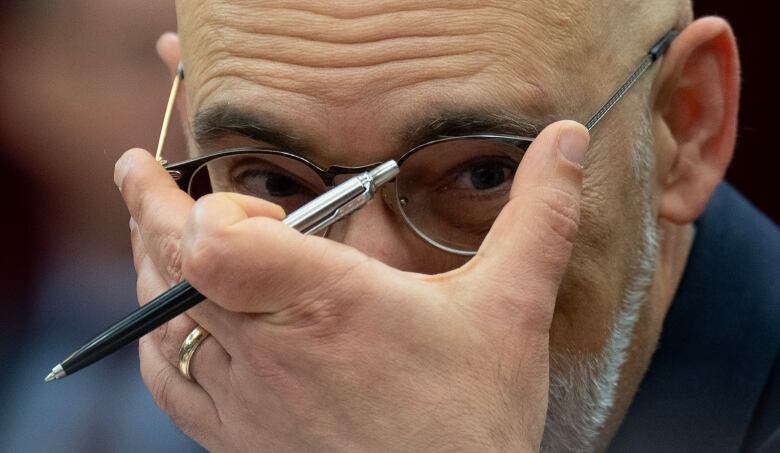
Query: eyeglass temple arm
point(169, 112)
point(655, 53)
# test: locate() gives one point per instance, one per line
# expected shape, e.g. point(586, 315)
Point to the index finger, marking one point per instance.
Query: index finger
point(159, 207)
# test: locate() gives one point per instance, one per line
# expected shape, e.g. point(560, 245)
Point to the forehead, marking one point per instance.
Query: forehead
point(337, 62)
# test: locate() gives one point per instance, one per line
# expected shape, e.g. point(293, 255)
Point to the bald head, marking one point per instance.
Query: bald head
point(343, 52)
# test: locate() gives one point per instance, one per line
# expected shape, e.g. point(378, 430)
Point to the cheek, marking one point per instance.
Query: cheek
point(605, 254)
point(379, 233)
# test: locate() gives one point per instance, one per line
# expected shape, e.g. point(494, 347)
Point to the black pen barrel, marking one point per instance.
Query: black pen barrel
point(163, 308)
point(317, 214)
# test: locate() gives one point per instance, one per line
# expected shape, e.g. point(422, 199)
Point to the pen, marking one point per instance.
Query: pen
point(311, 218)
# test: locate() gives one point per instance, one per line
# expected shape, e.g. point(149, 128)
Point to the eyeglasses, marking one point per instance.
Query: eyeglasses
point(448, 191)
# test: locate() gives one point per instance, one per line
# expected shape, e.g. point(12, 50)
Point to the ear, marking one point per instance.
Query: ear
point(169, 51)
point(695, 117)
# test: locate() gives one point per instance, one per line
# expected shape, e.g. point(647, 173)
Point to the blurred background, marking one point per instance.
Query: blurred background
point(80, 83)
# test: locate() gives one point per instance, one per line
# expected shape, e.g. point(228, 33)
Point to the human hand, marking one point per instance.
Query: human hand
point(316, 346)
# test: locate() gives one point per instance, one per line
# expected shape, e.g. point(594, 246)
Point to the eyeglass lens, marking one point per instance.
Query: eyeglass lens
point(278, 179)
point(449, 192)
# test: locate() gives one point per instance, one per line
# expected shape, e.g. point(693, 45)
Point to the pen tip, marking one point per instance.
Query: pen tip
point(56, 373)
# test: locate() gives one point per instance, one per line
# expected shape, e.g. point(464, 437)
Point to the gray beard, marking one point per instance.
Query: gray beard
point(582, 386)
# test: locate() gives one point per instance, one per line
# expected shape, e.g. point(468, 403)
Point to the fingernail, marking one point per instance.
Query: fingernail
point(573, 142)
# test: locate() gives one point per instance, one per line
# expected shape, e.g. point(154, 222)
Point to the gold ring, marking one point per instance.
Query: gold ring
point(188, 348)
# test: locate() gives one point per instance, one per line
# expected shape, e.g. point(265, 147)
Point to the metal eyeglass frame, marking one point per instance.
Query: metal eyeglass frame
point(182, 172)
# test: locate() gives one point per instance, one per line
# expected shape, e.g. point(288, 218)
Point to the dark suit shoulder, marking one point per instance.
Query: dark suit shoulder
point(764, 432)
point(711, 385)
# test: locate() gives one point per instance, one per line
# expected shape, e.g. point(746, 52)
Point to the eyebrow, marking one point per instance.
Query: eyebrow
point(454, 123)
point(223, 120)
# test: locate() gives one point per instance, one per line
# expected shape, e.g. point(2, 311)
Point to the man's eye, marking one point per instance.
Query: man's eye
point(268, 184)
point(481, 175)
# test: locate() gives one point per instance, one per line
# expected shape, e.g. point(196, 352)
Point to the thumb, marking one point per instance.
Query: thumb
point(526, 252)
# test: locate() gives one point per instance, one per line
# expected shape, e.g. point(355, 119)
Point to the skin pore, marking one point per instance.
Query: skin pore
point(351, 78)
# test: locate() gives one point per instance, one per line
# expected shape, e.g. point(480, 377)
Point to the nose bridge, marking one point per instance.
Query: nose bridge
point(376, 231)
point(337, 174)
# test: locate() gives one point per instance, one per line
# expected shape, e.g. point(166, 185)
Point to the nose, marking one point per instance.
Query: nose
point(379, 233)
point(375, 231)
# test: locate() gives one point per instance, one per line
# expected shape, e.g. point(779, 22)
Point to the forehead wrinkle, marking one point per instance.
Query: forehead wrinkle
point(258, 44)
point(316, 55)
point(261, 25)
point(282, 39)
point(313, 68)
point(314, 27)
point(335, 86)
point(356, 9)
point(360, 9)
point(327, 89)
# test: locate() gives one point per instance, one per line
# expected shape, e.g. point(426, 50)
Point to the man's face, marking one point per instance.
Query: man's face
point(349, 82)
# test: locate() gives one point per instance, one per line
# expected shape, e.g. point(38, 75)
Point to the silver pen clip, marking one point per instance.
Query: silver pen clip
point(341, 201)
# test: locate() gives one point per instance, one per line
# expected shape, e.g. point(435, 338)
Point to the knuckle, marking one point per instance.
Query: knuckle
point(156, 376)
point(537, 313)
point(142, 206)
point(170, 250)
point(162, 386)
point(205, 205)
point(171, 335)
point(319, 318)
point(203, 246)
point(559, 211)
point(137, 245)
point(268, 363)
point(529, 309)
point(145, 289)
point(199, 256)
